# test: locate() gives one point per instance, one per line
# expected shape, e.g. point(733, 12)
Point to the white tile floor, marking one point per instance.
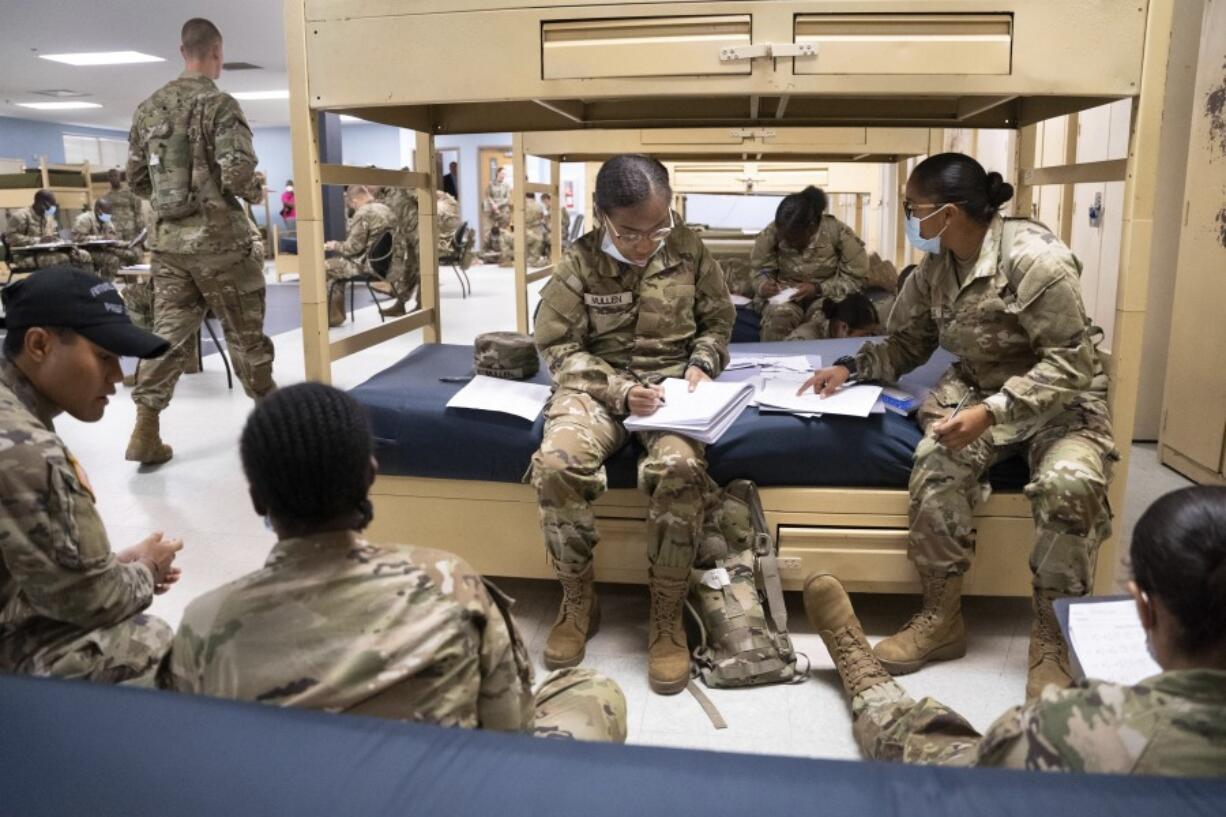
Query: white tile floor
point(200, 496)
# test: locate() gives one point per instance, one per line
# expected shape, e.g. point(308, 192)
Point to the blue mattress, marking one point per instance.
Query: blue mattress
point(416, 435)
point(70, 747)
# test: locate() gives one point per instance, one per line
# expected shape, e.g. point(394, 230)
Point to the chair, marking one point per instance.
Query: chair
point(221, 350)
point(378, 261)
point(461, 243)
point(576, 228)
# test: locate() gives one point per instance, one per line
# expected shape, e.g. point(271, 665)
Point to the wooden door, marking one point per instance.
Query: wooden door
point(490, 159)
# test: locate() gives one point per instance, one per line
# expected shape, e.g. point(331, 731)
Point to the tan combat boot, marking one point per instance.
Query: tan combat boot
point(830, 612)
point(935, 633)
point(146, 446)
point(668, 654)
point(396, 309)
point(1048, 651)
point(578, 618)
point(336, 307)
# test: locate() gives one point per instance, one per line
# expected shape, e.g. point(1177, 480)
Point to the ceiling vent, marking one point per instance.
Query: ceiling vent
point(240, 66)
point(61, 93)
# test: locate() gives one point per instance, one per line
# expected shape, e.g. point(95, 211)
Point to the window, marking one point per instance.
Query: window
point(101, 153)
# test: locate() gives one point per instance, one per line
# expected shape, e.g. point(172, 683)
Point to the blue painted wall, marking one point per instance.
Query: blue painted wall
point(29, 140)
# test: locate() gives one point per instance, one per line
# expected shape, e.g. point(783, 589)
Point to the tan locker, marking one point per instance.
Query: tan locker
point(1193, 436)
point(642, 47)
point(917, 43)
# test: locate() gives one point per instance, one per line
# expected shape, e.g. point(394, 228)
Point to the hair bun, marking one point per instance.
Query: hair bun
point(999, 190)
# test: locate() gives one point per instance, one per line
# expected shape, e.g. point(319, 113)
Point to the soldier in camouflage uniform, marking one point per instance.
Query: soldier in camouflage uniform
point(634, 302)
point(853, 317)
point(99, 224)
point(535, 228)
point(190, 153)
point(371, 221)
point(497, 208)
point(1004, 297)
point(34, 225)
point(1173, 723)
point(807, 248)
point(127, 211)
point(404, 273)
point(69, 606)
point(448, 223)
point(334, 622)
point(547, 204)
point(738, 274)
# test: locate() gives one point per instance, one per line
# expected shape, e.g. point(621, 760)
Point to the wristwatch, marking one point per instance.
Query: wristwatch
point(848, 362)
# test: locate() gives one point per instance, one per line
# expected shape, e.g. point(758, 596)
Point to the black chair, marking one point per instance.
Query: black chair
point(576, 229)
point(378, 261)
point(221, 350)
point(461, 243)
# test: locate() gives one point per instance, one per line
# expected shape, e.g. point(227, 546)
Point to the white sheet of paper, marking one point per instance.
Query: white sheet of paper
point(703, 414)
point(504, 396)
point(852, 401)
point(784, 296)
point(1110, 642)
point(789, 363)
point(740, 300)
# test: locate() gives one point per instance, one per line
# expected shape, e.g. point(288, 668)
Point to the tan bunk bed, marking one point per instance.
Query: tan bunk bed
point(75, 186)
point(778, 66)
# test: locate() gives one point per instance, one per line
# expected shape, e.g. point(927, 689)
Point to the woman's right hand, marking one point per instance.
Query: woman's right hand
point(769, 287)
point(826, 381)
point(644, 400)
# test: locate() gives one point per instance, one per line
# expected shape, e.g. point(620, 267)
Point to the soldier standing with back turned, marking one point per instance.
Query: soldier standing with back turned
point(190, 153)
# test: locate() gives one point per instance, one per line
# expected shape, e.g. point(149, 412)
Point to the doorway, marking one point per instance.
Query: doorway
point(445, 158)
point(490, 159)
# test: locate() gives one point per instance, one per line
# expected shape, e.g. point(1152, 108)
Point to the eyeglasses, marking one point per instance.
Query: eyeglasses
point(636, 238)
point(908, 208)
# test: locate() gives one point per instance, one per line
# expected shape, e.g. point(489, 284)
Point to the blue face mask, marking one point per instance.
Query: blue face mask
point(49, 212)
point(928, 245)
point(105, 218)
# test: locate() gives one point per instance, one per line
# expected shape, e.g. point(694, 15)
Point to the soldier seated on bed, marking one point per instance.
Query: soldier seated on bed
point(1173, 723)
point(338, 623)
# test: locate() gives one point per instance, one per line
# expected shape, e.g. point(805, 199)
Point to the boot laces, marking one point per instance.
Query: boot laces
point(925, 619)
point(1051, 640)
point(854, 660)
point(572, 597)
point(667, 603)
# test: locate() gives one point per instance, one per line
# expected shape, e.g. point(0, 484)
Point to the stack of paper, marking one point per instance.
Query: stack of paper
point(801, 364)
point(703, 414)
point(779, 394)
point(783, 296)
point(740, 300)
point(505, 396)
point(1109, 642)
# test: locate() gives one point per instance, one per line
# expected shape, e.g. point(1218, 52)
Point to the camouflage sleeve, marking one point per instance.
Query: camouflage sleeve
point(138, 163)
point(81, 227)
point(55, 546)
point(913, 334)
point(1053, 316)
point(561, 336)
point(1006, 743)
point(182, 669)
point(764, 257)
point(714, 315)
point(18, 233)
point(852, 273)
point(357, 236)
point(234, 152)
point(505, 700)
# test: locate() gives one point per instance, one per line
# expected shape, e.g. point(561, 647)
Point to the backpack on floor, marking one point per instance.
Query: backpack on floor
point(736, 597)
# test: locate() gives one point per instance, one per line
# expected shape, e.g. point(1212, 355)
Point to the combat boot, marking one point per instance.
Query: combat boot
point(396, 309)
point(1049, 662)
point(578, 617)
point(935, 633)
point(668, 654)
point(146, 446)
point(336, 307)
point(830, 612)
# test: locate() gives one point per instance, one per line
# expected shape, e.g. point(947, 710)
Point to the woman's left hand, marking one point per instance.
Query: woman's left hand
point(694, 376)
point(956, 433)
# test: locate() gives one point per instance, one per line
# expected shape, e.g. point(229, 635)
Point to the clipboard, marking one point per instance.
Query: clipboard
point(1061, 607)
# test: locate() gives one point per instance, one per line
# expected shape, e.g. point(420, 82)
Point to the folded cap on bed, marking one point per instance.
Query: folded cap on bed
point(509, 355)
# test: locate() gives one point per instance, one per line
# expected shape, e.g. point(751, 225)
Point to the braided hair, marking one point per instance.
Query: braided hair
point(306, 451)
point(956, 178)
point(629, 179)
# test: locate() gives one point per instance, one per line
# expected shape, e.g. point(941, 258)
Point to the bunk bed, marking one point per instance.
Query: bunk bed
point(771, 73)
point(74, 186)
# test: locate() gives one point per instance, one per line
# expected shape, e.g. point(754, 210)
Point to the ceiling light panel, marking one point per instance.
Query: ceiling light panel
point(251, 96)
point(58, 106)
point(102, 58)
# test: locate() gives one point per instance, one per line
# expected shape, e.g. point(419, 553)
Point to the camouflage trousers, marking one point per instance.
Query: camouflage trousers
point(889, 725)
point(31, 261)
point(580, 704)
point(108, 262)
point(138, 297)
point(1070, 461)
point(535, 249)
point(340, 268)
point(781, 320)
point(815, 327)
point(568, 474)
point(231, 285)
point(127, 652)
point(406, 275)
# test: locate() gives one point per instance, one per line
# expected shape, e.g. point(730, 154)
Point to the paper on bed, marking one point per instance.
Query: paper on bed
point(740, 300)
point(1109, 642)
point(788, 363)
point(516, 397)
point(784, 296)
point(703, 414)
point(853, 401)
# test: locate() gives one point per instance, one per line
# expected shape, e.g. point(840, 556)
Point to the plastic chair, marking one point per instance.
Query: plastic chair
point(221, 350)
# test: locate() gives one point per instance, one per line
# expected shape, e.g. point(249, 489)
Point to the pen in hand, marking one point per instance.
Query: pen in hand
point(953, 414)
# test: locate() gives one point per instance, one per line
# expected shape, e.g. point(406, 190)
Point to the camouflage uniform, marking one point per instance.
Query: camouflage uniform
point(27, 228)
point(1171, 724)
point(448, 224)
point(334, 623)
point(68, 607)
point(605, 327)
point(1027, 351)
point(107, 261)
point(497, 207)
point(364, 229)
point(835, 262)
point(738, 273)
point(534, 228)
point(127, 213)
point(404, 273)
point(204, 259)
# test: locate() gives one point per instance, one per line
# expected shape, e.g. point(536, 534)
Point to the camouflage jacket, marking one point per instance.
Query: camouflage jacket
point(127, 215)
point(534, 214)
point(87, 225)
point(222, 166)
point(497, 195)
point(58, 575)
point(1171, 724)
point(26, 228)
point(605, 326)
point(834, 261)
point(333, 622)
point(1021, 335)
point(403, 204)
point(364, 228)
point(448, 220)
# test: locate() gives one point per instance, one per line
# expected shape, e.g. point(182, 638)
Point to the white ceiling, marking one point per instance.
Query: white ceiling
point(252, 29)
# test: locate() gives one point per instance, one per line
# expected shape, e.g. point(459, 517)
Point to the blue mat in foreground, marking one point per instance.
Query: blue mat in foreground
point(70, 748)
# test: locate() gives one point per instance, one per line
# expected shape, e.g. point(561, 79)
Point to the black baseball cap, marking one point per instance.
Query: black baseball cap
point(64, 297)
